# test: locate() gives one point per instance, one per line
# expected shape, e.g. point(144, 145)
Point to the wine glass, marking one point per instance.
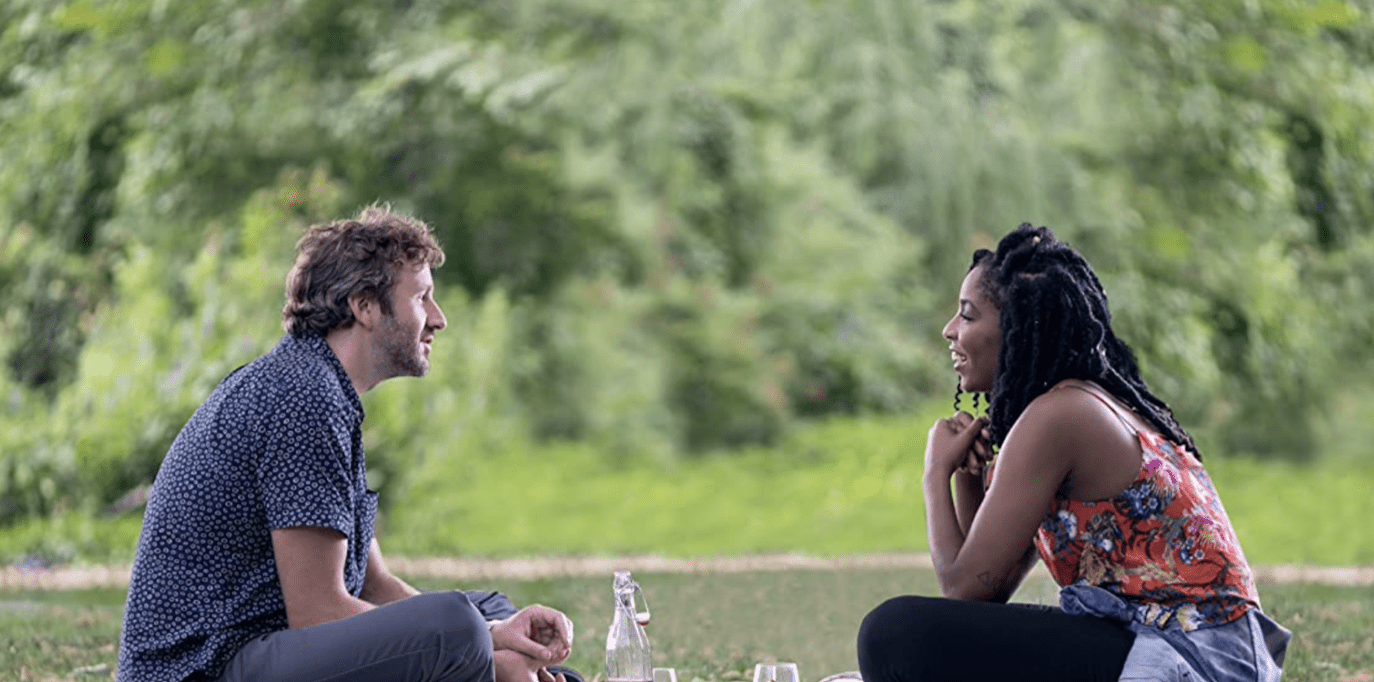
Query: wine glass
point(776, 672)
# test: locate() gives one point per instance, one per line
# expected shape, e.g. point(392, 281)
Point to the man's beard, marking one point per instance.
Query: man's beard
point(402, 351)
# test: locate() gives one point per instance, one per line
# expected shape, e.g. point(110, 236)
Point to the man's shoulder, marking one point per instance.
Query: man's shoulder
point(295, 367)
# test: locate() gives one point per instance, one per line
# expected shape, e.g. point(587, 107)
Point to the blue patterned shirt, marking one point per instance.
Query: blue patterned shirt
point(278, 444)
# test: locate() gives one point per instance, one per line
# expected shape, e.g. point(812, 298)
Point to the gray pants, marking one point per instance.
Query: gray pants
point(434, 637)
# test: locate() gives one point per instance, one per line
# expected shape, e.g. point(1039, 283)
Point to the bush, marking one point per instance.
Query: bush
point(164, 336)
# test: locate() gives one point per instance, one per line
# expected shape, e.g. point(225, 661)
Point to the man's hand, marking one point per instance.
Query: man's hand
point(538, 632)
point(513, 666)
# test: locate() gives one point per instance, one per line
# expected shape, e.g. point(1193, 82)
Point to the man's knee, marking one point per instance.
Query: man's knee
point(456, 618)
point(459, 633)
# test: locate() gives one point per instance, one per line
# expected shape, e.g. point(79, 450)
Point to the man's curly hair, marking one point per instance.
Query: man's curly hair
point(356, 257)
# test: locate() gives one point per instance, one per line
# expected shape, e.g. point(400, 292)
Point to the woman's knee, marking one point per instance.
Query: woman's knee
point(899, 628)
point(910, 617)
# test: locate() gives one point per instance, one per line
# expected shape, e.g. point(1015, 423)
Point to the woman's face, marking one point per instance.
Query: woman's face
point(975, 335)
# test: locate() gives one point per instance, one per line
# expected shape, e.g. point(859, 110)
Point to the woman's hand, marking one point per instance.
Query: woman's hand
point(957, 443)
point(981, 453)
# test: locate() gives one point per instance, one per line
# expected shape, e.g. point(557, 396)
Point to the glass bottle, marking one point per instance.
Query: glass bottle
point(627, 646)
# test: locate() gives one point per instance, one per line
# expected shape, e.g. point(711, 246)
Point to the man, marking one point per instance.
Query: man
point(257, 559)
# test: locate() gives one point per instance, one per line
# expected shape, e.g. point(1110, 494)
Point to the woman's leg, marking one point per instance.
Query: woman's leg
point(922, 639)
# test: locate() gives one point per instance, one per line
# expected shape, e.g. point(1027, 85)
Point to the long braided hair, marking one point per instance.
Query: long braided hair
point(1055, 326)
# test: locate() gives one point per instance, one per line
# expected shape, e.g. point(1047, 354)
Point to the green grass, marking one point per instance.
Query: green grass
point(59, 635)
point(840, 487)
point(712, 627)
point(1284, 513)
point(836, 488)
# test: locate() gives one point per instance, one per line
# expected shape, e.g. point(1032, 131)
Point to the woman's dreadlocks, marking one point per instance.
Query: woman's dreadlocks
point(1055, 326)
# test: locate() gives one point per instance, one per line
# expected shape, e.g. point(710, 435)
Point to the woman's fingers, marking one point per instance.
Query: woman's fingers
point(973, 464)
point(980, 453)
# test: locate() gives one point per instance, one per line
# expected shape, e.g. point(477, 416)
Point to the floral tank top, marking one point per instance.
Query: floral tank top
point(1164, 545)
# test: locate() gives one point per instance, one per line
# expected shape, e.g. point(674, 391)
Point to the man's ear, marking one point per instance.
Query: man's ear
point(365, 310)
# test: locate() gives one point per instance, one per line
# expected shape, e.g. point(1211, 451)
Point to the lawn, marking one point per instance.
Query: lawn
point(847, 486)
point(836, 487)
point(711, 627)
point(839, 487)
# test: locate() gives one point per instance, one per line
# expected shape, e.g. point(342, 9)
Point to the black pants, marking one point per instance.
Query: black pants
point(917, 639)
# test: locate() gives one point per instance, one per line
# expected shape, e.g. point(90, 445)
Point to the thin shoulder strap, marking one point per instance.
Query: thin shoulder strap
point(1115, 410)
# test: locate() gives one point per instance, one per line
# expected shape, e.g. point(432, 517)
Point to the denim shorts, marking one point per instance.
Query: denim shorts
point(1248, 649)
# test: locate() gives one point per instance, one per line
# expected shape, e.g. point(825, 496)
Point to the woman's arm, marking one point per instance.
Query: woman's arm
point(968, 496)
point(988, 559)
point(968, 479)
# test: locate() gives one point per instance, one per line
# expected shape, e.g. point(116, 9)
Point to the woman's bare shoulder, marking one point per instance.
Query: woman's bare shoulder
point(1068, 407)
point(1069, 419)
point(1074, 422)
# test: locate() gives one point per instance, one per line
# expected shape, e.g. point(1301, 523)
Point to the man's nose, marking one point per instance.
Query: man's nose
point(437, 320)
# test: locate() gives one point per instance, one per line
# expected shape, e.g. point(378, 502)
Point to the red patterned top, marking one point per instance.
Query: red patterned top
point(1164, 545)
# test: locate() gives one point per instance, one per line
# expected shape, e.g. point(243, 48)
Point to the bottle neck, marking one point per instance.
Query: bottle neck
point(625, 599)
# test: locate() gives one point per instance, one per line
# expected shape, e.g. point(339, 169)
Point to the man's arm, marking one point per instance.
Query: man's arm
point(310, 562)
point(379, 585)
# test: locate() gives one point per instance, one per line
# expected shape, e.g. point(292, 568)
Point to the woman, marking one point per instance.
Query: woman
point(1093, 474)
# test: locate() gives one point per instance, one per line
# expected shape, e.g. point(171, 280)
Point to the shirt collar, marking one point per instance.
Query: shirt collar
point(317, 346)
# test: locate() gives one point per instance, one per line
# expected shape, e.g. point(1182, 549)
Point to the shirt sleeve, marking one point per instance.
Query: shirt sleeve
point(304, 467)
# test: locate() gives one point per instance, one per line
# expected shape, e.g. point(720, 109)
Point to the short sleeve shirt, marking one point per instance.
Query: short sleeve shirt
point(278, 444)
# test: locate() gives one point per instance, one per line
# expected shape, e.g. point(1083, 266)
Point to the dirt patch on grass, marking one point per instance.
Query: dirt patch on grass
point(75, 578)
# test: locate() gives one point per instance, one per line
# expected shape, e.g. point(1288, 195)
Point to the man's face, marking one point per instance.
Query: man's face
point(405, 335)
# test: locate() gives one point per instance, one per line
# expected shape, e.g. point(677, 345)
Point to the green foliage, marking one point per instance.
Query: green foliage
point(184, 325)
point(50, 289)
point(672, 228)
point(71, 538)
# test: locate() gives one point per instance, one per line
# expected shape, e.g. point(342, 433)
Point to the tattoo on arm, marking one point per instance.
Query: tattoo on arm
point(991, 581)
point(1003, 586)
